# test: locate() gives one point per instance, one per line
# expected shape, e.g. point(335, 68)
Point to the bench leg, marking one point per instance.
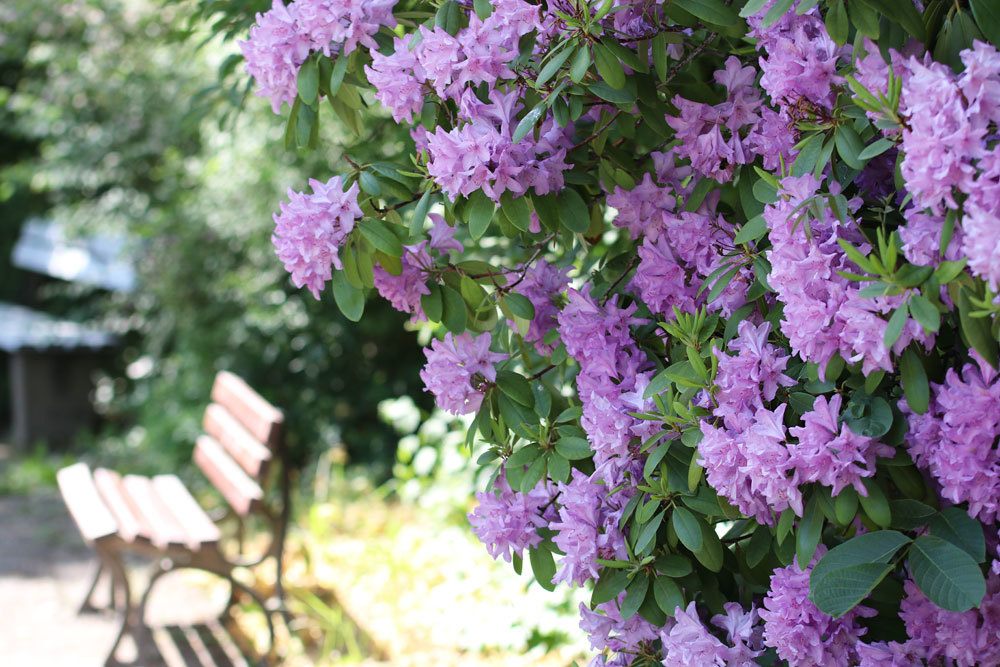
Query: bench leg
point(88, 606)
point(112, 561)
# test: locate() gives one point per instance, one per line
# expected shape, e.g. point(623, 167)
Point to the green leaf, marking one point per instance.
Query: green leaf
point(841, 590)
point(875, 149)
point(449, 17)
point(845, 505)
point(710, 11)
point(350, 300)
point(483, 8)
point(779, 9)
point(573, 210)
point(784, 525)
point(659, 51)
point(711, 554)
point(925, 312)
point(753, 7)
point(987, 15)
point(520, 305)
point(380, 236)
point(481, 210)
point(573, 447)
point(908, 514)
point(810, 149)
point(948, 576)
point(613, 95)
point(454, 315)
point(609, 67)
point(849, 146)
point(308, 81)
point(609, 584)
point(558, 467)
point(553, 65)
point(635, 593)
point(876, 505)
point(653, 460)
point(914, 379)
point(759, 546)
point(648, 532)
point(836, 21)
point(688, 529)
point(895, 327)
point(751, 230)
point(976, 330)
point(527, 123)
point(432, 304)
point(809, 530)
point(337, 75)
point(903, 12)
point(516, 210)
point(516, 386)
point(673, 565)
point(875, 547)
point(581, 63)
point(668, 595)
point(543, 566)
point(957, 527)
point(420, 213)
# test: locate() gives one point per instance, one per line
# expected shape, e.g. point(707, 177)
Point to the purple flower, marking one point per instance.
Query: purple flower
point(310, 229)
point(964, 639)
point(340, 26)
point(801, 633)
point(404, 290)
point(543, 284)
point(443, 235)
point(954, 440)
point(587, 529)
point(398, 80)
point(688, 642)
point(606, 629)
point(274, 52)
point(831, 453)
point(641, 210)
point(506, 521)
point(888, 654)
point(751, 377)
point(459, 369)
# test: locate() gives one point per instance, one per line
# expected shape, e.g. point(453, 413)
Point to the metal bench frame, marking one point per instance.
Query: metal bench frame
point(102, 531)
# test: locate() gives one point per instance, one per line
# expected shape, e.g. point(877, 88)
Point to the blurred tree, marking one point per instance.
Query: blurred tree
point(124, 135)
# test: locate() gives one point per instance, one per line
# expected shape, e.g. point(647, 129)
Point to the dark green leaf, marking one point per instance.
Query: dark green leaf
point(849, 146)
point(544, 567)
point(876, 505)
point(611, 582)
point(876, 149)
point(914, 379)
point(895, 327)
point(809, 530)
point(520, 305)
point(573, 210)
point(976, 330)
point(481, 209)
point(688, 529)
point(635, 593)
point(380, 236)
point(836, 21)
point(553, 65)
point(956, 526)
point(668, 595)
point(527, 123)
point(432, 304)
point(573, 448)
point(454, 315)
point(987, 15)
point(759, 546)
point(516, 386)
point(308, 81)
point(948, 576)
point(841, 590)
point(648, 532)
point(925, 312)
point(350, 300)
point(710, 11)
point(609, 67)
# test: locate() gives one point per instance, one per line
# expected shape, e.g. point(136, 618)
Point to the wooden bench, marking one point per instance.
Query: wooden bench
point(157, 517)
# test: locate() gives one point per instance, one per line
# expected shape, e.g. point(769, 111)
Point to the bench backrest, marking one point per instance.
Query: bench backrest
point(242, 437)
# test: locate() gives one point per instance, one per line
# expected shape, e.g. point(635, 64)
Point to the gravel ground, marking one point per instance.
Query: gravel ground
point(44, 571)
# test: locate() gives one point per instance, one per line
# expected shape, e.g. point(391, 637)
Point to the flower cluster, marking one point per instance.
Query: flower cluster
point(284, 36)
point(955, 440)
point(310, 229)
point(459, 370)
point(776, 318)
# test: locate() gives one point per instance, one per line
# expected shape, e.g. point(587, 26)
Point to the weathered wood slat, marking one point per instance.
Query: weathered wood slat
point(240, 491)
point(84, 502)
point(260, 418)
point(250, 453)
point(165, 531)
point(197, 525)
point(131, 524)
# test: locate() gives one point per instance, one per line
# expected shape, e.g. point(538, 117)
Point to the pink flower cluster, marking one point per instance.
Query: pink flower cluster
point(955, 440)
point(283, 37)
point(506, 521)
point(481, 154)
point(824, 313)
point(717, 139)
point(310, 229)
point(459, 370)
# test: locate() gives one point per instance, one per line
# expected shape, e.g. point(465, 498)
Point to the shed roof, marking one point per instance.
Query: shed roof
point(46, 247)
point(23, 328)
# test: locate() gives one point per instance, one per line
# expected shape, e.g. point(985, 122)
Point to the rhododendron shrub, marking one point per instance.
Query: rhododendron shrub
point(717, 281)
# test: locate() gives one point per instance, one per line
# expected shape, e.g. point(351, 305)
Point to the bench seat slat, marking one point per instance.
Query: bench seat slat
point(260, 418)
point(197, 525)
point(250, 453)
point(91, 514)
point(165, 531)
point(240, 491)
point(131, 524)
